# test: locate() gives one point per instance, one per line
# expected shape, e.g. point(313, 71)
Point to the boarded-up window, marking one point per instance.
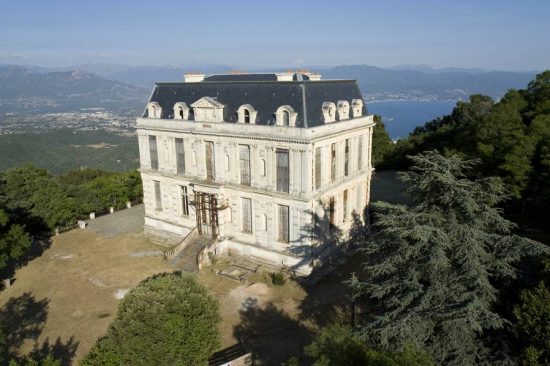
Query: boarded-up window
point(332, 162)
point(331, 211)
point(210, 164)
point(282, 170)
point(318, 164)
point(345, 208)
point(184, 201)
point(360, 153)
point(346, 158)
point(158, 199)
point(180, 156)
point(244, 161)
point(247, 215)
point(153, 153)
point(284, 235)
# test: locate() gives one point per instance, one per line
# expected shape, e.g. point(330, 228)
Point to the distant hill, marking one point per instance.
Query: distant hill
point(26, 90)
point(378, 83)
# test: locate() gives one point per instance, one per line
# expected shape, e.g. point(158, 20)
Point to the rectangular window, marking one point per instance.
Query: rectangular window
point(153, 153)
point(318, 164)
point(332, 162)
point(284, 235)
point(360, 153)
point(247, 215)
point(345, 208)
point(282, 170)
point(244, 163)
point(158, 197)
point(346, 158)
point(184, 201)
point(180, 156)
point(210, 163)
point(331, 211)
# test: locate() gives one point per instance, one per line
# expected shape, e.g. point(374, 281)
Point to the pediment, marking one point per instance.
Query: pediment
point(207, 102)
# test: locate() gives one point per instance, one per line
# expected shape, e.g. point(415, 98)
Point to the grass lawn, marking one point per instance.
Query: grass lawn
point(66, 298)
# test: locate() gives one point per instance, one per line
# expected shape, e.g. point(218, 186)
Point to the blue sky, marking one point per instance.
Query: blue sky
point(504, 35)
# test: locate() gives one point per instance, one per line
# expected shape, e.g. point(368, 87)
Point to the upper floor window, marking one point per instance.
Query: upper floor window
point(180, 156)
point(357, 107)
point(244, 164)
point(343, 110)
point(282, 170)
point(285, 116)
point(153, 153)
point(154, 110)
point(247, 114)
point(210, 160)
point(318, 166)
point(329, 112)
point(181, 111)
point(346, 158)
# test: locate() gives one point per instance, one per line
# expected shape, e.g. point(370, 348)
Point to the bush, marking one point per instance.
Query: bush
point(278, 279)
point(168, 319)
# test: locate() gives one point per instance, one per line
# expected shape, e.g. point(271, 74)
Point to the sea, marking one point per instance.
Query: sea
point(401, 117)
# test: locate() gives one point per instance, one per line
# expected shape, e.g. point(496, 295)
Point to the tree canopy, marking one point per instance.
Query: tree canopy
point(168, 319)
point(432, 265)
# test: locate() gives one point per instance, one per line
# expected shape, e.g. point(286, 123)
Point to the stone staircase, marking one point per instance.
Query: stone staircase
point(186, 260)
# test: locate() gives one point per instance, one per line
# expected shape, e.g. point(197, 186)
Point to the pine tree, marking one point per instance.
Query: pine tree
point(432, 265)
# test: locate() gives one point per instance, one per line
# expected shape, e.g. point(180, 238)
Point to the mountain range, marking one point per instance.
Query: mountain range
point(36, 89)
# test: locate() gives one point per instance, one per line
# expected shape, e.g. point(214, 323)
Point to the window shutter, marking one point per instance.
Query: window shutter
point(318, 162)
point(282, 170)
point(210, 164)
point(247, 215)
point(284, 224)
point(244, 159)
point(153, 153)
point(180, 156)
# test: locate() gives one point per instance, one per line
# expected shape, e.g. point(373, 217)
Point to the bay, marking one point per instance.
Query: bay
point(401, 117)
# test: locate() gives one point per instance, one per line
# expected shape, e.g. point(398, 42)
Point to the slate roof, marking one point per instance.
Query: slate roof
point(263, 92)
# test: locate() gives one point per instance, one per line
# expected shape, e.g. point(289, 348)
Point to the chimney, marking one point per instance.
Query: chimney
point(193, 77)
point(314, 77)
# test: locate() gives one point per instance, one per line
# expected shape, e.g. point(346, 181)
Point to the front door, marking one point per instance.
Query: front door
point(207, 213)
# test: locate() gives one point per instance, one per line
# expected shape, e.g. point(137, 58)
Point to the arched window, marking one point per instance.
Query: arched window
point(329, 112)
point(285, 116)
point(181, 111)
point(247, 114)
point(154, 110)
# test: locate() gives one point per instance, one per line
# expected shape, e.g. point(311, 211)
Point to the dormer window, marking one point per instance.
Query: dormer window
point(181, 111)
point(154, 110)
point(343, 110)
point(247, 114)
point(357, 107)
point(285, 116)
point(329, 112)
point(208, 109)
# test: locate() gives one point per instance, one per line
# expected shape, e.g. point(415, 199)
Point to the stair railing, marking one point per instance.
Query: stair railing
point(169, 254)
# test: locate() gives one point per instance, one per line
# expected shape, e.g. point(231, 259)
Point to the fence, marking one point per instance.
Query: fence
point(97, 214)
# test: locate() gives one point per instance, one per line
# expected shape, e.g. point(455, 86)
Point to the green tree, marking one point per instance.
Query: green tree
point(382, 145)
point(168, 319)
point(336, 345)
point(14, 241)
point(532, 321)
point(432, 266)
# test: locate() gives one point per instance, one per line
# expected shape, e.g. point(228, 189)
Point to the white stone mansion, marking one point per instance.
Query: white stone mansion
point(257, 161)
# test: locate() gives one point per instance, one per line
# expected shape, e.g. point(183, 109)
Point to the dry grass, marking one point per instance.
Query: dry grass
point(79, 276)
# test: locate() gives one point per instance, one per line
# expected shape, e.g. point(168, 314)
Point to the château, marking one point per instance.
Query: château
point(267, 164)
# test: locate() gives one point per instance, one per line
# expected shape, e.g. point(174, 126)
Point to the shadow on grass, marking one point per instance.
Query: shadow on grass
point(21, 319)
point(269, 333)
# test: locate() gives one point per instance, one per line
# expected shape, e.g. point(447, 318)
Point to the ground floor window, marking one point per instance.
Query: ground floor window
point(158, 200)
point(184, 201)
point(284, 224)
point(247, 215)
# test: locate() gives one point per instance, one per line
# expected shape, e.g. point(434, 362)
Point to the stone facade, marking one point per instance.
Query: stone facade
point(328, 174)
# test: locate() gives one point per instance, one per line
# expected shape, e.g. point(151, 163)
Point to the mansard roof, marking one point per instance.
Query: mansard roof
point(263, 92)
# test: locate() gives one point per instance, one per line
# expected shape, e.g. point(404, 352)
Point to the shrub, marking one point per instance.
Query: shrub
point(278, 279)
